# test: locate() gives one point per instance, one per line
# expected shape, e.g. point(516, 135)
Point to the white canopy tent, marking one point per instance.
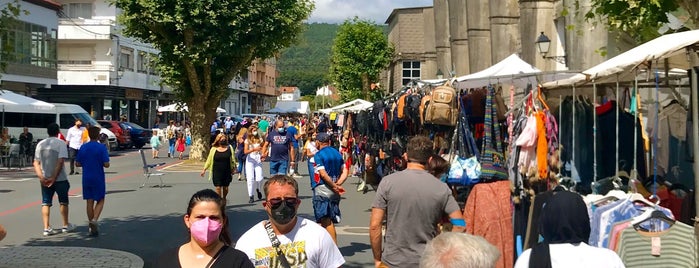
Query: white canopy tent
point(290, 107)
point(623, 66)
point(18, 101)
point(358, 107)
point(345, 105)
point(181, 107)
point(512, 70)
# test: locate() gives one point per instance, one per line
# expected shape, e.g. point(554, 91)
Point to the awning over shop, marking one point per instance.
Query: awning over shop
point(643, 57)
point(290, 107)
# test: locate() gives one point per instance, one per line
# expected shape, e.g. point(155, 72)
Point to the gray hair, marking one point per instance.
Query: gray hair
point(452, 250)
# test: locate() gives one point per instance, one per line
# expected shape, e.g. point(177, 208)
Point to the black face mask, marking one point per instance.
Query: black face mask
point(223, 143)
point(283, 214)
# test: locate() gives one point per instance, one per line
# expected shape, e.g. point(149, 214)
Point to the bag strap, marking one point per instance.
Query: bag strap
point(218, 253)
point(275, 243)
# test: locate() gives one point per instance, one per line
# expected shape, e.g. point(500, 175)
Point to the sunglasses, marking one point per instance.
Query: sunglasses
point(289, 202)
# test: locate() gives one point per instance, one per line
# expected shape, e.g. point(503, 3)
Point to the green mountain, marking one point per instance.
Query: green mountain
point(306, 64)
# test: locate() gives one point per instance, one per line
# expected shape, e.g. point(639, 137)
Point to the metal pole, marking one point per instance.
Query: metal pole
point(616, 159)
point(594, 133)
point(695, 130)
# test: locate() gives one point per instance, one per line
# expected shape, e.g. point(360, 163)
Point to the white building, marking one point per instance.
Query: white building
point(106, 73)
point(289, 94)
point(32, 63)
point(238, 102)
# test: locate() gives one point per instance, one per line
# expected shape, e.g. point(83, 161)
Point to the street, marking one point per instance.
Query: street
point(145, 221)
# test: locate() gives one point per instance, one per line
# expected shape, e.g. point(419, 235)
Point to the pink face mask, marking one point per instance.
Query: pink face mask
point(206, 230)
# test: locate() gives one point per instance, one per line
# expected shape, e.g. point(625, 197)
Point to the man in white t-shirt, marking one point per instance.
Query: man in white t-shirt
point(303, 242)
point(74, 139)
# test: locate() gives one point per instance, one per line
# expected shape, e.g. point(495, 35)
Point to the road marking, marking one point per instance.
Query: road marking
point(352, 230)
point(73, 192)
point(18, 180)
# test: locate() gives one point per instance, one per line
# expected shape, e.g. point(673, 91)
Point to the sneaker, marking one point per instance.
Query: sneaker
point(252, 200)
point(92, 228)
point(361, 187)
point(72, 172)
point(50, 231)
point(66, 229)
point(259, 195)
point(298, 176)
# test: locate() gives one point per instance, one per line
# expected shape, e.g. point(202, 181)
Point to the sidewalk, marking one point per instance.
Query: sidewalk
point(35, 256)
point(17, 174)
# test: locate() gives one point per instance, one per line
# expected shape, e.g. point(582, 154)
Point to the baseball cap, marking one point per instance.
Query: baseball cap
point(323, 137)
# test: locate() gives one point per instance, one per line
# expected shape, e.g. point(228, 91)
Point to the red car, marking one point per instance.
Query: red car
point(123, 134)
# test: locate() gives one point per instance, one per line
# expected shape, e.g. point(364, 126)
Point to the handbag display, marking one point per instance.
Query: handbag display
point(493, 164)
point(464, 169)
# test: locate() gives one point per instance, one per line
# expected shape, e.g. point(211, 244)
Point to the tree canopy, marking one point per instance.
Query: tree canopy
point(8, 18)
point(360, 53)
point(204, 44)
point(640, 18)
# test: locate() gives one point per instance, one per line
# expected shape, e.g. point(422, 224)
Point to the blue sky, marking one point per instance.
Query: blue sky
point(336, 11)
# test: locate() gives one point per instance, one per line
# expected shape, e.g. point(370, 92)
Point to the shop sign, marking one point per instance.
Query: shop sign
point(133, 94)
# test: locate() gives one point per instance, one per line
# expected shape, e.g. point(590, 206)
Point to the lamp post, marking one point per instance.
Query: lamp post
point(440, 74)
point(543, 44)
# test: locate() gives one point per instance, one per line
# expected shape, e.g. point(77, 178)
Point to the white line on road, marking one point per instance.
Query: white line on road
point(16, 180)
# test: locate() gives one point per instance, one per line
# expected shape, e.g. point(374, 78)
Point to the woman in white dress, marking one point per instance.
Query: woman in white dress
point(253, 162)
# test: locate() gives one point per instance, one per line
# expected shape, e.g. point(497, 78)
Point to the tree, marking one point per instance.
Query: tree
point(639, 18)
point(8, 19)
point(359, 54)
point(204, 44)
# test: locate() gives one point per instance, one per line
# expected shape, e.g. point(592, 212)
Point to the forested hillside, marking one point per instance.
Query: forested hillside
point(305, 64)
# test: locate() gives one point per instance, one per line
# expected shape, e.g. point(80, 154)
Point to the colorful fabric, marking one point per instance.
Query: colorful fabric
point(488, 213)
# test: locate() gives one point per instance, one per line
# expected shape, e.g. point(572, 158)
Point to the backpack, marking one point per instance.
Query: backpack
point(400, 107)
point(424, 102)
point(376, 116)
point(443, 108)
point(412, 107)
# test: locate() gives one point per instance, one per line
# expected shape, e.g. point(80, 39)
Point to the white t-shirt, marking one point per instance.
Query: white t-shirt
point(47, 152)
point(311, 147)
point(75, 137)
point(576, 256)
point(255, 156)
point(307, 245)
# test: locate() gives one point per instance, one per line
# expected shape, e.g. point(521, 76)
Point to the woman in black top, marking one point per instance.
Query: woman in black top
point(222, 163)
point(209, 242)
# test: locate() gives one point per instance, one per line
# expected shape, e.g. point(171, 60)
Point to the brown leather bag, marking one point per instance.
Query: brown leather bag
point(443, 108)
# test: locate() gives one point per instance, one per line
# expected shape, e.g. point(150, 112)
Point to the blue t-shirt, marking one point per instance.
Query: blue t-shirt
point(331, 161)
point(279, 145)
point(293, 131)
point(92, 156)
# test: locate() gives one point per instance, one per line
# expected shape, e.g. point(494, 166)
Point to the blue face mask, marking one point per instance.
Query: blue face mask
point(281, 130)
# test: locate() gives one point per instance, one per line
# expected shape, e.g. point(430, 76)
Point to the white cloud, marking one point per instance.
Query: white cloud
point(337, 11)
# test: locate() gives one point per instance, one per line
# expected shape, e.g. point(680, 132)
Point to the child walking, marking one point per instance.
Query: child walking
point(180, 144)
point(93, 157)
point(155, 144)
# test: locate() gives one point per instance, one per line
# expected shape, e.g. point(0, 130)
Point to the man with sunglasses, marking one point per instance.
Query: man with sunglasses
point(302, 242)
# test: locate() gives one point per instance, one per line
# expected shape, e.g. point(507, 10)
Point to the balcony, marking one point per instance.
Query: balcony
point(85, 29)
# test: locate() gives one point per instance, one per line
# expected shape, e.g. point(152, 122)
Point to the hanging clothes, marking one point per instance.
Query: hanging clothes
point(488, 213)
point(577, 154)
point(607, 139)
point(676, 247)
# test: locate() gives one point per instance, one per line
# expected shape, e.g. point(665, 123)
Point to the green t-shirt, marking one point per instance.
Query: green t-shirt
point(263, 125)
point(677, 247)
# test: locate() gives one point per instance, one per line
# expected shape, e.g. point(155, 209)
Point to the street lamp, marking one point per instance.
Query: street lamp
point(440, 75)
point(543, 44)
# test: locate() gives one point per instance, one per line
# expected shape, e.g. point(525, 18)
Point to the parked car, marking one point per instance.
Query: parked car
point(122, 132)
point(139, 135)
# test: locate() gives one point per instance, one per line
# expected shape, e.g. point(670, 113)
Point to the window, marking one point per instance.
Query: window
point(126, 59)
point(30, 44)
point(78, 10)
point(19, 120)
point(411, 70)
point(143, 62)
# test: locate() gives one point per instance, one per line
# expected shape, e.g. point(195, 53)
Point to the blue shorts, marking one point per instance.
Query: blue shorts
point(325, 208)
point(278, 167)
point(59, 188)
point(95, 191)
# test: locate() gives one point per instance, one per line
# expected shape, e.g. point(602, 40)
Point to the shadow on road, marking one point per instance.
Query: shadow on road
point(119, 191)
point(353, 248)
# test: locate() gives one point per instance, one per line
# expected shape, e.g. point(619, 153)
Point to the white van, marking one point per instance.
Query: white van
point(16, 117)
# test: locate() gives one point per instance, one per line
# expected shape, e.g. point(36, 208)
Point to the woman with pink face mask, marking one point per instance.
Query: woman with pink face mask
point(209, 242)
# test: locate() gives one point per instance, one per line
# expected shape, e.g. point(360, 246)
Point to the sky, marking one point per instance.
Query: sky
point(337, 11)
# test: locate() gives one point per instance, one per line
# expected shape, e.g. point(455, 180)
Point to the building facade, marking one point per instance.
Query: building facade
point(108, 74)
point(31, 63)
point(459, 37)
point(263, 85)
point(289, 94)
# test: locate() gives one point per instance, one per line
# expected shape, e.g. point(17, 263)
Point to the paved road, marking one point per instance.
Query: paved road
point(145, 221)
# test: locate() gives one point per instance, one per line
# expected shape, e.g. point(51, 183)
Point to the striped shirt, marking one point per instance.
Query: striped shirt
point(678, 247)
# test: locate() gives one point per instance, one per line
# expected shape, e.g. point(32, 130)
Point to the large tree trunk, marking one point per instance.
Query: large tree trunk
point(202, 114)
point(366, 86)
